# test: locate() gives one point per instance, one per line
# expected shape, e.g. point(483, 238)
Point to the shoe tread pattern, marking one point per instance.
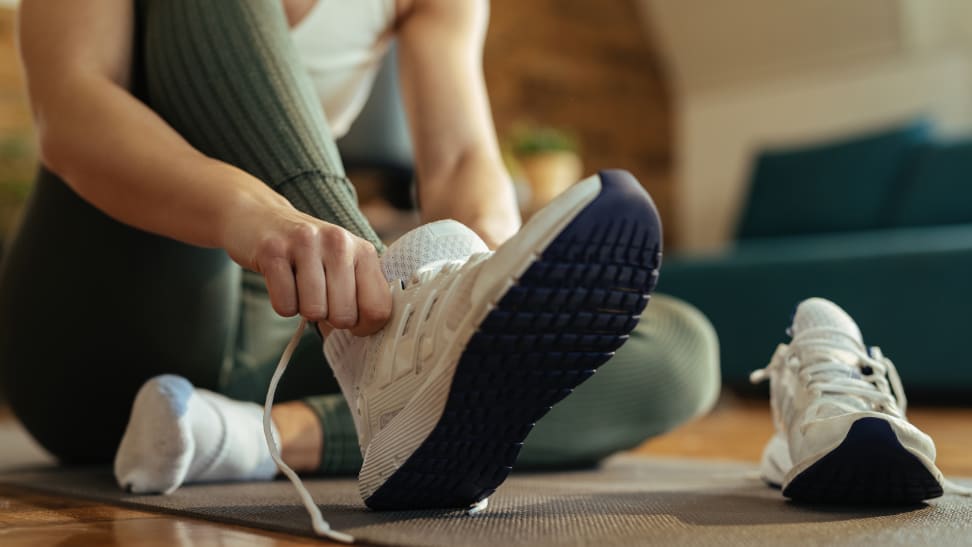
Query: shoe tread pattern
point(560, 320)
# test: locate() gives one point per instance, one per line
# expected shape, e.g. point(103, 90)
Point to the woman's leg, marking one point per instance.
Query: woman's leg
point(90, 309)
point(666, 374)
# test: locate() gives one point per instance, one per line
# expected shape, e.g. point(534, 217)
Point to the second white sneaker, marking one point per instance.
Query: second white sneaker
point(839, 410)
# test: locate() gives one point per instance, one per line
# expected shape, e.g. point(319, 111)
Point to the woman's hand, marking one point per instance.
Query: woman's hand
point(316, 269)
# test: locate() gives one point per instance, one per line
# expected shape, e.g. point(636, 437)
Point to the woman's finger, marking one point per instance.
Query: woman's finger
point(279, 276)
point(311, 285)
point(339, 257)
point(373, 294)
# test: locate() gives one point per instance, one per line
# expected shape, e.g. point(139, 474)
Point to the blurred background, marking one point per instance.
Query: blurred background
point(17, 148)
point(795, 148)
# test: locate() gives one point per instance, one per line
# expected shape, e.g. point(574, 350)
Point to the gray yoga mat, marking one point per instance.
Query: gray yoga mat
point(628, 501)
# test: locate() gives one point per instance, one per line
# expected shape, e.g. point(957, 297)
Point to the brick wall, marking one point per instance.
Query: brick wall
point(14, 112)
point(586, 66)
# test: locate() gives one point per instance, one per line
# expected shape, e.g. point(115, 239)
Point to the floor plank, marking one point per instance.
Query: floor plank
point(29, 519)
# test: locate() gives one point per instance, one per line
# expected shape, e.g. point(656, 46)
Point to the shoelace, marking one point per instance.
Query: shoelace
point(873, 378)
point(321, 526)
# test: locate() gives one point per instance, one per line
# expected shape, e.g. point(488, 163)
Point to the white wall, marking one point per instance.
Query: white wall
point(749, 74)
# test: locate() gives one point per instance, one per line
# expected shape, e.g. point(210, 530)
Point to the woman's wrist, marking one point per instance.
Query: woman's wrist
point(246, 206)
point(489, 209)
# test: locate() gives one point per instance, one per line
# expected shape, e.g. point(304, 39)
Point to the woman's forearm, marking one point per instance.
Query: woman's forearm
point(126, 161)
point(129, 163)
point(460, 170)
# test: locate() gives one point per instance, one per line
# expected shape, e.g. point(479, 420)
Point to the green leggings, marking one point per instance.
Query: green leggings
point(90, 309)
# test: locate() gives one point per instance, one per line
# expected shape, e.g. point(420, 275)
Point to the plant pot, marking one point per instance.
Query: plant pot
point(549, 174)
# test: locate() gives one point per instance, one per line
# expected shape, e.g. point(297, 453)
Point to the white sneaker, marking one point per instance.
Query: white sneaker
point(839, 410)
point(480, 345)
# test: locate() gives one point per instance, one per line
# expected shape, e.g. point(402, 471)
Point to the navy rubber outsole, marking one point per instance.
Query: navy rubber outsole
point(869, 467)
point(562, 319)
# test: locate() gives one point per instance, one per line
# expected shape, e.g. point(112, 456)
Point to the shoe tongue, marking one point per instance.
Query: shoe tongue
point(434, 242)
point(817, 312)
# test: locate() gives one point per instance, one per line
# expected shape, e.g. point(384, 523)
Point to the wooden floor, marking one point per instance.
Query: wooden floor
point(737, 429)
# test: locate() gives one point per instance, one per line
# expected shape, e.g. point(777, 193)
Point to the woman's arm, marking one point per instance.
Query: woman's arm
point(460, 169)
point(120, 156)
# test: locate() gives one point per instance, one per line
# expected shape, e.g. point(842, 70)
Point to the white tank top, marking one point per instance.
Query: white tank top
point(341, 44)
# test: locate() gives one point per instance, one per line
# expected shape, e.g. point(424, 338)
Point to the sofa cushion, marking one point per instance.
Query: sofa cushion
point(938, 189)
point(833, 187)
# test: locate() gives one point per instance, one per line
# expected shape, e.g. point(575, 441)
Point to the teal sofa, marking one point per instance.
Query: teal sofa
point(880, 224)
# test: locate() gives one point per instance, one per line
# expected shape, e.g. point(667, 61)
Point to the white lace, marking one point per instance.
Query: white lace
point(321, 526)
point(872, 379)
point(878, 384)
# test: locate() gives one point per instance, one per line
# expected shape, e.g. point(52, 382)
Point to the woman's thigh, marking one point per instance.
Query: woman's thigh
point(91, 308)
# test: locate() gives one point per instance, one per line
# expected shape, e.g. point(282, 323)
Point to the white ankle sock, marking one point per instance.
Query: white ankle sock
point(179, 434)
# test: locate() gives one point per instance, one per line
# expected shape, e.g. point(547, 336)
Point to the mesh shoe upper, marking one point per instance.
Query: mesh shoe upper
point(379, 374)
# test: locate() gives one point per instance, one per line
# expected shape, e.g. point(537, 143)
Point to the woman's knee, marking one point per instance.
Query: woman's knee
point(665, 375)
point(677, 350)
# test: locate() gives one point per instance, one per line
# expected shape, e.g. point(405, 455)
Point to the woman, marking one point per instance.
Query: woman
point(184, 141)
